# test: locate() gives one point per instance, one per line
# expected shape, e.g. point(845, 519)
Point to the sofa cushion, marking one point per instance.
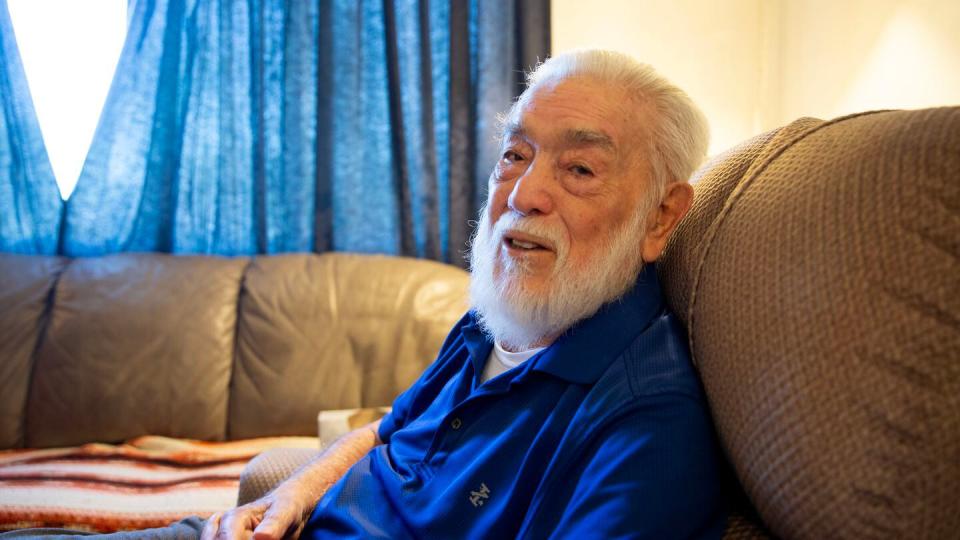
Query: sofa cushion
point(137, 344)
point(335, 331)
point(825, 321)
point(26, 283)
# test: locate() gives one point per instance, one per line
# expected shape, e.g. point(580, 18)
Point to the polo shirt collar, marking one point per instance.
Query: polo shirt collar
point(585, 351)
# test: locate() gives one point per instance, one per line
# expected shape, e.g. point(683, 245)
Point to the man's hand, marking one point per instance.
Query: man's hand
point(277, 515)
point(284, 511)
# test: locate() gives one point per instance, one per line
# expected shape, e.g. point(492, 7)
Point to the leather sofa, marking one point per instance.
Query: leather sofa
point(105, 349)
point(817, 274)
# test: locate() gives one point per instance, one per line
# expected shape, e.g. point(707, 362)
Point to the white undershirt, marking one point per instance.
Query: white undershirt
point(501, 360)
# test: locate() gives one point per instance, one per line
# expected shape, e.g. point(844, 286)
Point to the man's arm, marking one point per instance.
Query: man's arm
point(287, 508)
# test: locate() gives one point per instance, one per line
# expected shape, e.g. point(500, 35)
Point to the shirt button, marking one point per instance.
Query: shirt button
point(456, 423)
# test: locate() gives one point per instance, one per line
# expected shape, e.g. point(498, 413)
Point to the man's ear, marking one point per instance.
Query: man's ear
point(663, 220)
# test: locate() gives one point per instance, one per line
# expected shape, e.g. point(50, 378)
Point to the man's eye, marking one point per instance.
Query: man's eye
point(581, 170)
point(512, 157)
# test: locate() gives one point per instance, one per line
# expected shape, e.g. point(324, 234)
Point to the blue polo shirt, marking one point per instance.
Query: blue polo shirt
point(604, 434)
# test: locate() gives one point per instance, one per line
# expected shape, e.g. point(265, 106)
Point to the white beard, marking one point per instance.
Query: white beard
point(520, 319)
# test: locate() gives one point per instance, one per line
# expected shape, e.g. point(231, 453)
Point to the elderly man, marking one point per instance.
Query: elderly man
point(564, 404)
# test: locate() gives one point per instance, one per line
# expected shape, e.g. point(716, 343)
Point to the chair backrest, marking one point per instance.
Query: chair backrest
point(819, 277)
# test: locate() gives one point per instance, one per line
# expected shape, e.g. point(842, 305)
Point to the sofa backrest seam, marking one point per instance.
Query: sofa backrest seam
point(43, 323)
point(235, 352)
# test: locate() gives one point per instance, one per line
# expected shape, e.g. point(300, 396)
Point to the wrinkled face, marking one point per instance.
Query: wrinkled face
point(562, 229)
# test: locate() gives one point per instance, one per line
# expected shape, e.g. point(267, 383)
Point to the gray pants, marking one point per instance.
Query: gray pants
point(185, 529)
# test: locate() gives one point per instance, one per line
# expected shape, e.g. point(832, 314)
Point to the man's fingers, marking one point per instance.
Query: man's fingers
point(261, 520)
point(274, 526)
point(237, 524)
point(210, 527)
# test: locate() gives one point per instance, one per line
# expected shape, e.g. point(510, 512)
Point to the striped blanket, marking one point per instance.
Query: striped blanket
point(146, 482)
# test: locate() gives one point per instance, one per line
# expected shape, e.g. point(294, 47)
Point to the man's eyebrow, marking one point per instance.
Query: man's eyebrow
point(589, 137)
point(511, 128)
point(577, 137)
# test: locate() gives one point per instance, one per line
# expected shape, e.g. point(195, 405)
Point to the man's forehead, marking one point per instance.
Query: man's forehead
point(576, 111)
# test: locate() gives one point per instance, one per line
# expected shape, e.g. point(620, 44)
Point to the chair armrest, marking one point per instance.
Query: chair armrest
point(268, 469)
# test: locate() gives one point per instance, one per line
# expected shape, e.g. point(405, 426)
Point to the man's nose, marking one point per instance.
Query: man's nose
point(531, 192)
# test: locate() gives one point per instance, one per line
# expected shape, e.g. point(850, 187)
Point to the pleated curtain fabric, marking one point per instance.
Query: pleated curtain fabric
point(30, 204)
point(268, 126)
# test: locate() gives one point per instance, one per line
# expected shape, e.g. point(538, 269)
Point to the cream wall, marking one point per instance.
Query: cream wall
point(756, 64)
point(853, 55)
point(699, 45)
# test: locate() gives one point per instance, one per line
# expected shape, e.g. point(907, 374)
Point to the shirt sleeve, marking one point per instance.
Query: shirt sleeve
point(655, 473)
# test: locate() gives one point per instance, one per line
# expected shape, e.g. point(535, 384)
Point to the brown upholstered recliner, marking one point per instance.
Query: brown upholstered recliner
point(819, 276)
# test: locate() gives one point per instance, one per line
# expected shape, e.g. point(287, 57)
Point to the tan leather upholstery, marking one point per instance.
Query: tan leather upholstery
point(25, 286)
point(137, 344)
point(210, 347)
point(823, 303)
point(335, 332)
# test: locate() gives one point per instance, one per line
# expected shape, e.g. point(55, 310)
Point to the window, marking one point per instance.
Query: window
point(69, 50)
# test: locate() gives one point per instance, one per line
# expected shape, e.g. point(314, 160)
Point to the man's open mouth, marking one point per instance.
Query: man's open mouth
point(524, 242)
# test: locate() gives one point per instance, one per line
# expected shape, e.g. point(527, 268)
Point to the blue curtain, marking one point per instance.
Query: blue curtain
point(30, 204)
point(270, 126)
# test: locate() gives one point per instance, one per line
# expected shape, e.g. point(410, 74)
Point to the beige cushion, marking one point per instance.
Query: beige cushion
point(825, 320)
point(137, 344)
point(269, 468)
point(26, 283)
point(335, 331)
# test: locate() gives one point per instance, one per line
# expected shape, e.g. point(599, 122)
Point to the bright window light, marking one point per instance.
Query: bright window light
point(69, 50)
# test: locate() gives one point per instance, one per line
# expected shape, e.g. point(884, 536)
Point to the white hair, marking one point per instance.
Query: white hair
point(674, 143)
point(679, 134)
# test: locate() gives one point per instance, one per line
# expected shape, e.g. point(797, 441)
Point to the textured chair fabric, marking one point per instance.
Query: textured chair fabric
point(713, 183)
point(741, 527)
point(823, 305)
point(270, 468)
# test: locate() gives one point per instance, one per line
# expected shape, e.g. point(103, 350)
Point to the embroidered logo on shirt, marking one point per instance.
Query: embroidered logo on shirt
point(477, 498)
